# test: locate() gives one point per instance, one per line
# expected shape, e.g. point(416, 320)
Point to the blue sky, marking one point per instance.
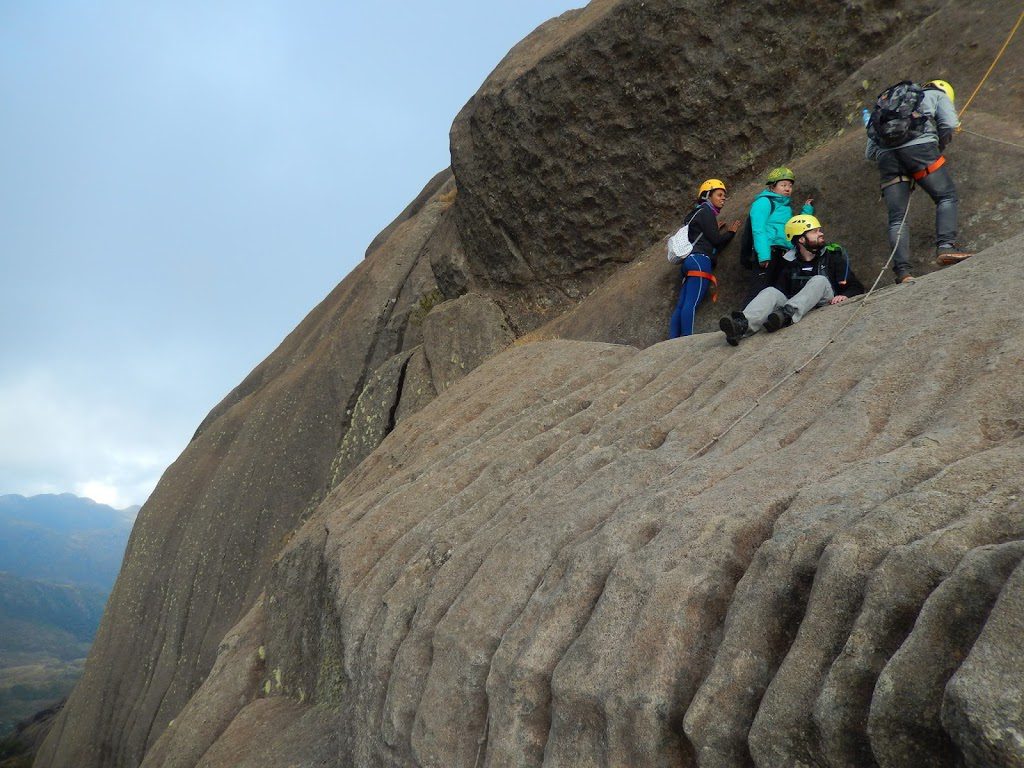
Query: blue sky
point(180, 183)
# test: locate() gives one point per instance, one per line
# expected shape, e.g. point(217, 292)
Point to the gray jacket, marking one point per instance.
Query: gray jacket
point(943, 121)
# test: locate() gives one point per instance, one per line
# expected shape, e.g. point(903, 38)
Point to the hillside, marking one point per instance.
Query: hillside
point(394, 544)
point(63, 538)
point(59, 557)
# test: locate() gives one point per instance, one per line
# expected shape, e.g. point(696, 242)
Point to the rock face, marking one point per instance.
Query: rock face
point(561, 176)
point(373, 554)
point(538, 568)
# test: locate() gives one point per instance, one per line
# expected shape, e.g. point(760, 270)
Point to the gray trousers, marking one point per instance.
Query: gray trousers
point(939, 186)
point(816, 293)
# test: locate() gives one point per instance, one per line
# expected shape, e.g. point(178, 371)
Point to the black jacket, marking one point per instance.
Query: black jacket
point(704, 225)
point(791, 274)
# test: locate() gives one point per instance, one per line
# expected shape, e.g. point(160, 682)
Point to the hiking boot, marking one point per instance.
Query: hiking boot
point(948, 254)
point(734, 326)
point(906, 277)
point(779, 318)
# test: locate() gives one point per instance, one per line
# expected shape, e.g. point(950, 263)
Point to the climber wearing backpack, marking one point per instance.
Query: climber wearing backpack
point(707, 237)
point(763, 235)
point(811, 274)
point(908, 129)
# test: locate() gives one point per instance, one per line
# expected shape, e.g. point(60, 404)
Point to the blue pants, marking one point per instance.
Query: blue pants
point(694, 289)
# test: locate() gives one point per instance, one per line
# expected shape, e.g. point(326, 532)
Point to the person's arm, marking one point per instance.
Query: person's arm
point(946, 119)
point(871, 151)
point(843, 277)
point(808, 209)
point(760, 210)
point(710, 231)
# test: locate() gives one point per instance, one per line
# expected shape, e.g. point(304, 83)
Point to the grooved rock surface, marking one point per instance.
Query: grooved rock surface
point(536, 569)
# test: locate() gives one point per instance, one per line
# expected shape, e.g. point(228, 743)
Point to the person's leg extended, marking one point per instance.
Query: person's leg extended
point(694, 289)
point(762, 305)
point(818, 291)
point(897, 196)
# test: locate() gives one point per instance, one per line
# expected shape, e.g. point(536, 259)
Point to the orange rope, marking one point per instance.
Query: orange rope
point(993, 65)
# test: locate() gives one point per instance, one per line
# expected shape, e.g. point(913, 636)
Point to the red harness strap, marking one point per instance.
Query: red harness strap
point(918, 175)
point(707, 276)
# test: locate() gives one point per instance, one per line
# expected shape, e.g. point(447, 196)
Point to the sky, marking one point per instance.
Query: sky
point(181, 182)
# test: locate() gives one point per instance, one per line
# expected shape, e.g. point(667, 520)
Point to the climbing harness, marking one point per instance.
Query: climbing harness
point(896, 180)
point(709, 277)
point(918, 175)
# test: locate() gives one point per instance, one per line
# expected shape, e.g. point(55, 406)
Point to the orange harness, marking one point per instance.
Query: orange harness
point(709, 277)
point(918, 175)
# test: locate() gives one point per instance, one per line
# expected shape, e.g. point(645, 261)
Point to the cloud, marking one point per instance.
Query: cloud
point(58, 435)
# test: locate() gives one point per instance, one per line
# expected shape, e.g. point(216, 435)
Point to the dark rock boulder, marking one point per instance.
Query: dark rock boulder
point(595, 131)
point(459, 335)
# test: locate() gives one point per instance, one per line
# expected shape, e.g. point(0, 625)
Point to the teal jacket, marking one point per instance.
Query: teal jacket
point(768, 216)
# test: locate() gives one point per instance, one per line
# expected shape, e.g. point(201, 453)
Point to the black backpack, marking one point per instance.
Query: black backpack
point(895, 120)
point(748, 258)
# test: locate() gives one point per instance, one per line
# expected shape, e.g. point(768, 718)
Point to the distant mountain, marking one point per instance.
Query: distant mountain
point(63, 538)
point(59, 557)
point(36, 617)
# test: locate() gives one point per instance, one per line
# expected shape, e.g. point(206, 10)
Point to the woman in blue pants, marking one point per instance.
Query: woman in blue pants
point(697, 271)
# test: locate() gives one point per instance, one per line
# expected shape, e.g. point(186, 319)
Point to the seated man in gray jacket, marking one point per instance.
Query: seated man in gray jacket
point(811, 274)
point(907, 132)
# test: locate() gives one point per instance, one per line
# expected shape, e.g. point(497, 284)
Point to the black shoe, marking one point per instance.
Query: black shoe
point(779, 319)
point(734, 327)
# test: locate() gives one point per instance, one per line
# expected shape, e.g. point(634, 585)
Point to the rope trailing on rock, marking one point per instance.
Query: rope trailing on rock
point(993, 64)
point(835, 335)
point(992, 138)
point(757, 401)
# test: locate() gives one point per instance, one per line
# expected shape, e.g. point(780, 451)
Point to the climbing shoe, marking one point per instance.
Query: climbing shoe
point(904, 278)
point(734, 326)
point(779, 318)
point(946, 255)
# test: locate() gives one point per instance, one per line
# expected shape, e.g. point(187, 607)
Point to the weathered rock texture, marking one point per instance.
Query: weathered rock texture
point(365, 558)
point(536, 569)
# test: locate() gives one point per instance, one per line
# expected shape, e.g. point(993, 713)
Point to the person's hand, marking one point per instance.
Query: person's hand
point(763, 264)
point(734, 227)
point(837, 299)
point(809, 201)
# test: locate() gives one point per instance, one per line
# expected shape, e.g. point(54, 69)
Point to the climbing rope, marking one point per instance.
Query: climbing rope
point(856, 313)
point(863, 303)
point(991, 138)
point(993, 64)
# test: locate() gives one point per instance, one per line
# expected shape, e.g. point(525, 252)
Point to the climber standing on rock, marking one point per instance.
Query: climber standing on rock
point(908, 129)
point(708, 237)
point(811, 274)
point(764, 237)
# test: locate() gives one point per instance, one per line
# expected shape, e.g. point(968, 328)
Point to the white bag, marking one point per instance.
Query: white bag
point(679, 245)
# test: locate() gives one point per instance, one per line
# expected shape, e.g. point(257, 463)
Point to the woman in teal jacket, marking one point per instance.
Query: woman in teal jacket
point(768, 216)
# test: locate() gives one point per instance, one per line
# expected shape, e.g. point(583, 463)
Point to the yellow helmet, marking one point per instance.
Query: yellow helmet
point(943, 86)
point(710, 186)
point(782, 173)
point(800, 224)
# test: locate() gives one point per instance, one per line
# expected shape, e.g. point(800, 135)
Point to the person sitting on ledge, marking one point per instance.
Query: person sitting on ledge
point(810, 274)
